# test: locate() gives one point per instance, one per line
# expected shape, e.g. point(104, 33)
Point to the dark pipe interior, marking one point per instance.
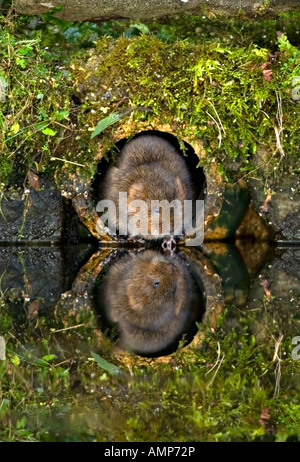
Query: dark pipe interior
point(190, 157)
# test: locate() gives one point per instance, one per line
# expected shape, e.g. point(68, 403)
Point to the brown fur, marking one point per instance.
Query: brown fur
point(149, 318)
point(149, 168)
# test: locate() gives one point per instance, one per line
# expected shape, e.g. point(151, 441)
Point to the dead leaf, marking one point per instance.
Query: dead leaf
point(267, 203)
point(265, 65)
point(265, 283)
point(268, 75)
point(33, 309)
point(40, 164)
point(33, 180)
point(264, 416)
point(28, 286)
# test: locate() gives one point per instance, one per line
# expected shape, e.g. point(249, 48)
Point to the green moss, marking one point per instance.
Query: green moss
point(65, 396)
point(208, 86)
point(36, 108)
point(208, 91)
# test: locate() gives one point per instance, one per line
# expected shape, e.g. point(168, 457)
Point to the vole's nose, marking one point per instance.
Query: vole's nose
point(168, 244)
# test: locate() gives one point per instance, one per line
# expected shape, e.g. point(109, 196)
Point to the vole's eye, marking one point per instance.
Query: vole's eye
point(156, 283)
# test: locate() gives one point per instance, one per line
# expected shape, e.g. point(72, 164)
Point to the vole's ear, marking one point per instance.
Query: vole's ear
point(136, 191)
point(180, 190)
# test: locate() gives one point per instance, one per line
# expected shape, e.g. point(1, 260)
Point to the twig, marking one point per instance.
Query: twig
point(219, 354)
point(278, 377)
point(277, 345)
point(220, 362)
point(279, 130)
point(220, 122)
point(61, 125)
point(67, 328)
point(277, 372)
point(220, 133)
point(67, 161)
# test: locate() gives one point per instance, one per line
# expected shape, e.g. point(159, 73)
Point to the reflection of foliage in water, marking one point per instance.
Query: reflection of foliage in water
point(220, 391)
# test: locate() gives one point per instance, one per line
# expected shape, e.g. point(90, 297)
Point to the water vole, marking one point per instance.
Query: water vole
point(149, 168)
point(149, 296)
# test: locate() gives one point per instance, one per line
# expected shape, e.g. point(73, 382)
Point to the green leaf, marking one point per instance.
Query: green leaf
point(24, 50)
point(253, 148)
point(107, 122)
point(49, 357)
point(49, 132)
point(21, 423)
point(285, 45)
point(60, 115)
point(141, 27)
point(15, 360)
point(15, 128)
point(109, 367)
point(21, 62)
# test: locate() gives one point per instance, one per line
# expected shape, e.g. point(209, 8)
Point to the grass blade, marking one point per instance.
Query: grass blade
point(107, 122)
point(109, 367)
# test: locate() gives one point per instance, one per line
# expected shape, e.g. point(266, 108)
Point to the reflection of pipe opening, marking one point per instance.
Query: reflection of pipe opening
point(148, 302)
point(189, 157)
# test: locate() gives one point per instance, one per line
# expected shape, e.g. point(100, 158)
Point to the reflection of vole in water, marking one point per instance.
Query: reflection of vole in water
point(149, 168)
point(149, 295)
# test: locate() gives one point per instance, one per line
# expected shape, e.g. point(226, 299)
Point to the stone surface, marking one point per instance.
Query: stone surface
point(279, 206)
point(33, 278)
point(80, 10)
point(34, 216)
point(278, 286)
